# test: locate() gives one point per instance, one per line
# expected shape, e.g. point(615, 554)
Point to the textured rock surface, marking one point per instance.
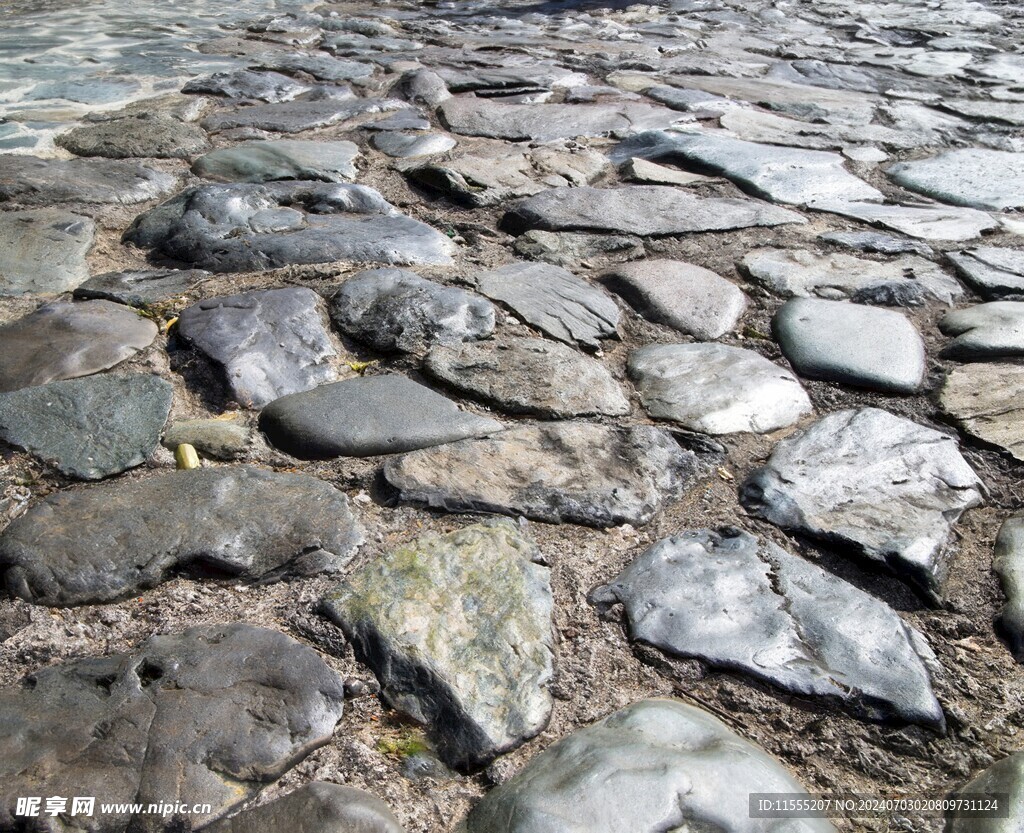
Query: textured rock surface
point(243, 83)
point(457, 629)
point(739, 603)
point(405, 146)
point(985, 179)
point(886, 486)
point(224, 439)
point(1008, 563)
point(715, 388)
point(564, 472)
point(110, 541)
point(985, 331)
point(206, 716)
point(139, 288)
point(156, 136)
point(284, 159)
point(296, 116)
point(996, 273)
point(31, 180)
point(987, 401)
point(1005, 776)
point(923, 221)
point(43, 251)
point(569, 248)
point(88, 428)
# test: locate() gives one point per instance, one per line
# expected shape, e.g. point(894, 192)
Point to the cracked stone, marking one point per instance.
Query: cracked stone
point(987, 401)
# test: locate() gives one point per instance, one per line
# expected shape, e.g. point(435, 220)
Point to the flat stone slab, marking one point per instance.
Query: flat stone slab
point(321, 67)
point(994, 272)
point(155, 136)
point(851, 344)
point(266, 344)
point(715, 388)
point(974, 177)
point(297, 116)
point(65, 340)
point(43, 251)
point(88, 428)
point(553, 300)
point(244, 83)
point(743, 604)
point(141, 287)
point(688, 298)
point(108, 542)
point(883, 485)
point(223, 439)
point(457, 629)
point(367, 416)
point(394, 310)
point(572, 472)
point(529, 376)
point(923, 221)
point(1005, 776)
point(645, 768)
point(645, 210)
point(282, 159)
point(991, 330)
point(569, 248)
point(406, 146)
point(250, 227)
point(902, 281)
point(213, 713)
point(1008, 564)
point(876, 242)
point(987, 401)
point(30, 180)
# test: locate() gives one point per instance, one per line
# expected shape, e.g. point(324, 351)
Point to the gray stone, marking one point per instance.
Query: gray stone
point(646, 210)
point(156, 136)
point(648, 173)
point(140, 288)
point(1006, 112)
point(249, 227)
point(883, 485)
point(108, 542)
point(1008, 563)
point(687, 298)
point(244, 83)
point(401, 120)
point(98, 90)
point(851, 344)
point(88, 428)
point(423, 86)
point(554, 301)
point(689, 101)
point(923, 221)
point(977, 178)
point(285, 159)
point(321, 67)
point(570, 472)
point(266, 344)
point(716, 389)
point(876, 242)
point(996, 273)
point(65, 340)
point(296, 116)
point(457, 629)
point(529, 376)
point(570, 248)
point(985, 331)
point(657, 765)
point(987, 401)
point(509, 78)
point(42, 251)
point(209, 716)
point(740, 603)
point(363, 417)
point(31, 180)
point(1005, 776)
point(404, 146)
point(224, 439)
point(794, 273)
point(396, 310)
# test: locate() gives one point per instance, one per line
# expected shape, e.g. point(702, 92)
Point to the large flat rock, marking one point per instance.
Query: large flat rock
point(987, 401)
point(974, 177)
point(151, 135)
point(245, 83)
point(1008, 564)
point(992, 330)
point(31, 180)
point(141, 287)
point(925, 221)
point(283, 159)
point(42, 251)
point(995, 272)
point(297, 116)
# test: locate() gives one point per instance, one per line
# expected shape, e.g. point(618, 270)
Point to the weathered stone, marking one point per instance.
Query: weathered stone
point(554, 301)
point(31, 180)
point(716, 389)
point(296, 116)
point(321, 67)
point(266, 344)
point(648, 173)
point(160, 137)
point(143, 287)
point(224, 439)
point(996, 273)
point(408, 119)
point(977, 178)
point(851, 344)
point(687, 298)
point(108, 542)
point(457, 629)
point(876, 242)
point(396, 310)
point(985, 331)
point(1007, 112)
point(740, 603)
point(42, 251)
point(88, 428)
point(285, 159)
point(65, 340)
point(405, 146)
point(987, 401)
point(423, 86)
point(529, 376)
point(923, 221)
point(244, 83)
point(657, 765)
point(211, 714)
point(558, 473)
point(1008, 563)
point(248, 227)
point(509, 78)
point(1005, 776)
point(886, 486)
point(367, 416)
point(570, 248)
point(689, 101)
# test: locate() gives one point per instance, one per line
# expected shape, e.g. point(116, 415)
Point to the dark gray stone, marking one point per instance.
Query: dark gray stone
point(1008, 563)
point(886, 486)
point(984, 331)
point(143, 287)
point(31, 180)
point(367, 416)
point(156, 136)
point(296, 116)
point(267, 344)
point(42, 251)
point(987, 401)
point(505, 78)
point(875, 242)
point(88, 428)
point(977, 178)
point(286, 159)
point(423, 86)
point(740, 603)
point(1005, 776)
point(208, 716)
point(224, 439)
point(108, 542)
point(994, 272)
point(244, 83)
point(320, 67)
point(558, 473)
point(405, 146)
point(570, 248)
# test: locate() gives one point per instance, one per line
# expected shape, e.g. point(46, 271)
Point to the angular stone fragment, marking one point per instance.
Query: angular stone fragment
point(886, 486)
point(990, 330)
point(397, 310)
point(244, 83)
point(65, 340)
point(320, 67)
point(405, 146)
point(554, 301)
point(224, 439)
point(558, 473)
point(457, 629)
point(43, 251)
point(284, 159)
point(139, 288)
point(876, 242)
point(108, 542)
point(716, 389)
point(974, 177)
point(367, 416)
point(648, 173)
point(987, 401)
point(88, 428)
point(996, 273)
point(154, 136)
point(1008, 563)
point(208, 716)
point(267, 344)
point(1004, 777)
point(923, 221)
point(740, 603)
point(658, 765)
point(296, 116)
point(570, 248)
point(31, 180)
